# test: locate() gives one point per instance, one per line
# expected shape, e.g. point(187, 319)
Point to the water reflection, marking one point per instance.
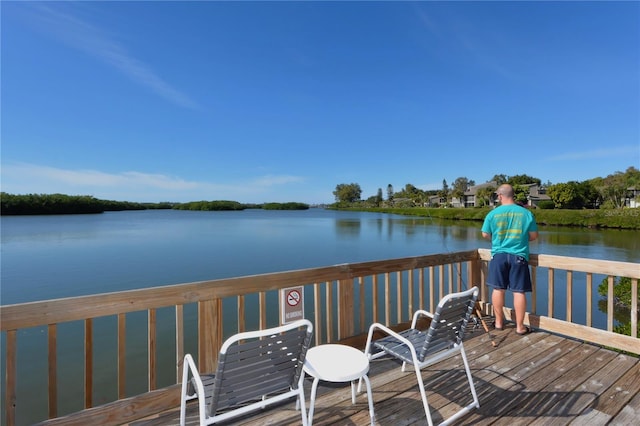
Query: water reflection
point(347, 228)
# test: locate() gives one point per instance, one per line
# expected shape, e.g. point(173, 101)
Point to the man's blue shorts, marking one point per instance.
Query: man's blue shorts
point(509, 272)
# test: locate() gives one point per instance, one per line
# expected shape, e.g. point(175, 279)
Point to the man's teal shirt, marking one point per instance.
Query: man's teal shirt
point(509, 226)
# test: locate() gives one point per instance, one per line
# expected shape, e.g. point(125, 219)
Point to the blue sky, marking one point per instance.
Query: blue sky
point(282, 101)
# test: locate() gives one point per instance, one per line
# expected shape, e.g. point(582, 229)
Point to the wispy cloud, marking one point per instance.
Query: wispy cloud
point(82, 35)
point(51, 176)
point(597, 153)
point(271, 180)
point(25, 178)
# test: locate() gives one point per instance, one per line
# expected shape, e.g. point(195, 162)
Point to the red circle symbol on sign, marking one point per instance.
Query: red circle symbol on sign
point(293, 298)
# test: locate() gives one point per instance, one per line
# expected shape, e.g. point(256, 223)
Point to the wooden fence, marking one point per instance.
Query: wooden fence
point(341, 300)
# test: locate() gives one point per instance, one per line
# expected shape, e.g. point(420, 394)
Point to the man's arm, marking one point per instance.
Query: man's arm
point(533, 235)
point(486, 235)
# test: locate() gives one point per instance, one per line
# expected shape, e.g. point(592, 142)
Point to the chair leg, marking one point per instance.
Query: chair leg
point(423, 394)
point(463, 354)
point(475, 404)
point(183, 406)
point(370, 398)
point(300, 402)
point(312, 400)
point(367, 353)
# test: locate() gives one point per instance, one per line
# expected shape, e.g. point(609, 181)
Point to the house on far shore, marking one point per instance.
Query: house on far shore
point(470, 197)
point(432, 201)
point(632, 199)
point(536, 194)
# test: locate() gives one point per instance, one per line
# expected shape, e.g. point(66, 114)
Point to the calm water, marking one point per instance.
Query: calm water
point(47, 257)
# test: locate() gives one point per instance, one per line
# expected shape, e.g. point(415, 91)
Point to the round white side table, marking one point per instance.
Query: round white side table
point(337, 363)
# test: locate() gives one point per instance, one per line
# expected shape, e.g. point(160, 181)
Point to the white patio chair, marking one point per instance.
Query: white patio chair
point(255, 369)
point(424, 348)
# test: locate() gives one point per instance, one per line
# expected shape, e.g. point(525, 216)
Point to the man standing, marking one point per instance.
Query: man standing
point(510, 228)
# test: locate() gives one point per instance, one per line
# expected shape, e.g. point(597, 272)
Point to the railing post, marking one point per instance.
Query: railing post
point(374, 298)
point(122, 356)
point(152, 337)
point(179, 342)
point(88, 363)
point(209, 333)
point(634, 307)
point(610, 305)
point(569, 314)
point(345, 308)
point(317, 308)
point(10, 397)
point(399, 297)
point(432, 289)
point(474, 277)
point(52, 334)
point(551, 290)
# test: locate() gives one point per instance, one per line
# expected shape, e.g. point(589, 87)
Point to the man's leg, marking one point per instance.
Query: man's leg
point(497, 299)
point(520, 306)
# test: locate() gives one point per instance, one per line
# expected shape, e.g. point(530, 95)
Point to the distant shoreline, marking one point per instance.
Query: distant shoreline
point(55, 204)
point(601, 218)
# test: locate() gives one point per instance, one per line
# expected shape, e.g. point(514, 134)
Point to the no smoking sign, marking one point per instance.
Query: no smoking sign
point(291, 304)
point(293, 298)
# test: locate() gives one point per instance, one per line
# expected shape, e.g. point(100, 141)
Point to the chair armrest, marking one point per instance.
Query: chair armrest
point(190, 366)
point(392, 333)
point(417, 314)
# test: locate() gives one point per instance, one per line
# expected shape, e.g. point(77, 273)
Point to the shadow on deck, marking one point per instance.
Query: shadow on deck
point(537, 379)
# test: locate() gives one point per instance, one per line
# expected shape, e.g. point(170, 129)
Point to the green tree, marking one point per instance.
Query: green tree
point(216, 205)
point(622, 299)
point(460, 185)
point(613, 188)
point(564, 195)
point(633, 179)
point(484, 195)
point(416, 195)
point(389, 192)
point(590, 194)
point(523, 180)
point(347, 192)
point(521, 194)
point(499, 179)
point(372, 202)
point(613, 191)
point(44, 204)
point(285, 206)
point(573, 195)
point(378, 199)
point(444, 192)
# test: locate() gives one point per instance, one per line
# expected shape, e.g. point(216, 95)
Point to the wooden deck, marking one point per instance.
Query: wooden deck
point(537, 379)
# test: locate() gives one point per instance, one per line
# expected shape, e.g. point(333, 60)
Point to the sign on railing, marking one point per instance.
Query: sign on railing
point(291, 304)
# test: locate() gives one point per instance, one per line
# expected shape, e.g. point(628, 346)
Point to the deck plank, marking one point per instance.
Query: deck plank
point(540, 392)
point(595, 389)
point(498, 377)
point(629, 414)
point(619, 393)
point(537, 379)
point(566, 398)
